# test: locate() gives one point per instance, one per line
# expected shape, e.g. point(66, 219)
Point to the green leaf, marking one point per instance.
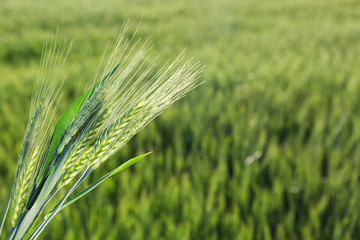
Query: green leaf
point(102, 179)
point(61, 127)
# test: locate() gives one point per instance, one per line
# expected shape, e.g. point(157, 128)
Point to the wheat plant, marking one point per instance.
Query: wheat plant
point(125, 96)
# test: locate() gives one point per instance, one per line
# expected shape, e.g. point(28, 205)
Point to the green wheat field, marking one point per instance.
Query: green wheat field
point(267, 148)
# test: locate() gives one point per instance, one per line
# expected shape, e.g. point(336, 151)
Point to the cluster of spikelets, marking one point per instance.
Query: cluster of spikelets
point(126, 95)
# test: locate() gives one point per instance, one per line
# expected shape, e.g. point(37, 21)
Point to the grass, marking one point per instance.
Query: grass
point(281, 78)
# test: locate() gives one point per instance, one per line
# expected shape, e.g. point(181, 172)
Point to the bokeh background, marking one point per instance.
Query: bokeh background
point(266, 148)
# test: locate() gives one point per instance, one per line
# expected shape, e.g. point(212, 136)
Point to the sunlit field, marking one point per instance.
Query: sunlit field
point(266, 148)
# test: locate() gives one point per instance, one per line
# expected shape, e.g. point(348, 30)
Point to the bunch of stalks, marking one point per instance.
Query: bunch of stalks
point(125, 96)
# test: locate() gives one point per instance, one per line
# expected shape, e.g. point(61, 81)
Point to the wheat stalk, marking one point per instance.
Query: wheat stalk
point(42, 121)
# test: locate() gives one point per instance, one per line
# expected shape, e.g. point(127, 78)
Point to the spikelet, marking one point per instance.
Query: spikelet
point(102, 148)
point(79, 158)
point(42, 121)
point(21, 196)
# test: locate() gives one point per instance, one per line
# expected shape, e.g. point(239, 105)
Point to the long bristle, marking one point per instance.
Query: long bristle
point(132, 95)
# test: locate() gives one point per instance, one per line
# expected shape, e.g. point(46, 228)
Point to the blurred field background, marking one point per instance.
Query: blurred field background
point(267, 148)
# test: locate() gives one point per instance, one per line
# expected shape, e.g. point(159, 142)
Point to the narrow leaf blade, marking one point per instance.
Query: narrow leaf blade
point(6, 211)
point(102, 179)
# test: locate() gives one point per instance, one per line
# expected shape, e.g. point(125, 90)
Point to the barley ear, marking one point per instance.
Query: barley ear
point(42, 120)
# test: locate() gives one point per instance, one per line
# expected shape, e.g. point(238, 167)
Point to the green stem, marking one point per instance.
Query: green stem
point(6, 210)
point(37, 207)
